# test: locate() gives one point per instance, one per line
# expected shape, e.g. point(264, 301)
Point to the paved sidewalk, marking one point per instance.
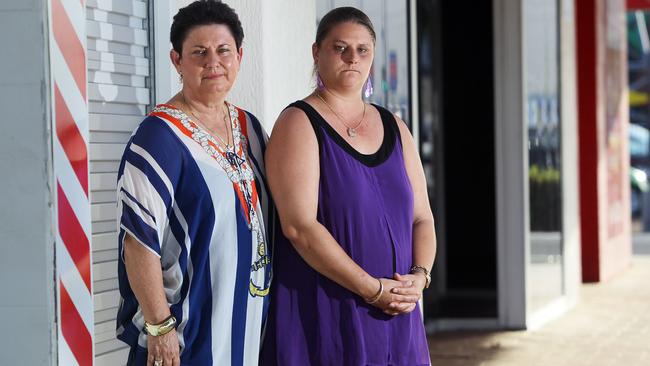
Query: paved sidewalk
point(610, 326)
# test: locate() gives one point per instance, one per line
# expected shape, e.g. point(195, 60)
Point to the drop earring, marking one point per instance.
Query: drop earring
point(368, 89)
point(319, 82)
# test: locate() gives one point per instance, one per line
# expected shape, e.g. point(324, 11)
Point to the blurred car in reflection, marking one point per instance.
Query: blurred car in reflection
point(639, 138)
point(639, 185)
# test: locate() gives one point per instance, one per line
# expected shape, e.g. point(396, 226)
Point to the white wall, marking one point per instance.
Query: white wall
point(277, 64)
point(288, 33)
point(26, 240)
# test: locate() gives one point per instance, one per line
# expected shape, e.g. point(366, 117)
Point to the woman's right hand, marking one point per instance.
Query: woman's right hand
point(163, 348)
point(394, 304)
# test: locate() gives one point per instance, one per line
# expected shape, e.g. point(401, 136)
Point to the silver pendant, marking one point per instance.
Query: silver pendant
point(352, 132)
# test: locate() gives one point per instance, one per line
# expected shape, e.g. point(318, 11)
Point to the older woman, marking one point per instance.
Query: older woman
point(194, 264)
point(351, 194)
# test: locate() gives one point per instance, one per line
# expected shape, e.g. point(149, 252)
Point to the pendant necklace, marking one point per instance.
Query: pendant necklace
point(352, 131)
point(225, 144)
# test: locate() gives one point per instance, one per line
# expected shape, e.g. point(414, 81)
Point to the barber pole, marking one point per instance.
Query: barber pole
point(67, 35)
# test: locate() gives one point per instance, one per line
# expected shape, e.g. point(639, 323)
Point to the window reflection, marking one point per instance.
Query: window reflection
point(544, 150)
point(638, 59)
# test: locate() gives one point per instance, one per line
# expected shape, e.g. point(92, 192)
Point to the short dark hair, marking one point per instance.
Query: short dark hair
point(343, 15)
point(204, 12)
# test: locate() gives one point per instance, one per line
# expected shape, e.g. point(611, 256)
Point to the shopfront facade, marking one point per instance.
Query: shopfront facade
point(490, 92)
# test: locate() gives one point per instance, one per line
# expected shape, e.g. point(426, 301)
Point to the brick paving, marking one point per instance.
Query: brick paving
point(610, 326)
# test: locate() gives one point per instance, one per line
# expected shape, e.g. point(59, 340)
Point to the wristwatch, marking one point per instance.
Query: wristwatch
point(427, 276)
point(161, 328)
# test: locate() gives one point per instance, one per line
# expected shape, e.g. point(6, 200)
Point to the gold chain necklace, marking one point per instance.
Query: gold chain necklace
point(225, 144)
point(352, 131)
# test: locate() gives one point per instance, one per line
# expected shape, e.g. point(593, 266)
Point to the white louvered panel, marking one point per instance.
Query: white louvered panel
point(103, 181)
point(105, 315)
point(106, 300)
point(103, 152)
point(113, 358)
point(103, 137)
point(108, 346)
point(128, 69)
point(103, 197)
point(105, 271)
point(105, 256)
point(117, 94)
point(117, 58)
point(105, 241)
point(101, 227)
point(103, 211)
point(104, 166)
point(119, 97)
point(127, 7)
point(101, 45)
point(118, 108)
point(103, 77)
point(105, 285)
point(117, 33)
point(116, 123)
point(104, 331)
point(114, 18)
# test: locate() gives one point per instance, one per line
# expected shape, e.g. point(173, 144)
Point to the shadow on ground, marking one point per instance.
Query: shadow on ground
point(609, 326)
point(471, 348)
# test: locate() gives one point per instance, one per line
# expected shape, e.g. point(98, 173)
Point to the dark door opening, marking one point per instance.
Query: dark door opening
point(457, 147)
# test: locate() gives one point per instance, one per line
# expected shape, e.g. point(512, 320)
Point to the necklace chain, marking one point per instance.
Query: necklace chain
point(225, 144)
point(352, 131)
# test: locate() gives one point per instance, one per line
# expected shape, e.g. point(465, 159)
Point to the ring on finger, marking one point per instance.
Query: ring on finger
point(157, 362)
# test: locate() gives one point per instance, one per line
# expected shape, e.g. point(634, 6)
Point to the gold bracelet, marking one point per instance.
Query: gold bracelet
point(162, 328)
point(375, 298)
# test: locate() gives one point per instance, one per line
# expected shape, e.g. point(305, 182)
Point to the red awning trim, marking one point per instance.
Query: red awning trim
point(638, 4)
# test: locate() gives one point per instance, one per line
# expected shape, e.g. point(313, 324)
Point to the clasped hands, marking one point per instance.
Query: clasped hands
point(401, 293)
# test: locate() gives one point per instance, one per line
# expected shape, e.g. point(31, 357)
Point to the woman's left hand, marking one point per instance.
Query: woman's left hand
point(417, 286)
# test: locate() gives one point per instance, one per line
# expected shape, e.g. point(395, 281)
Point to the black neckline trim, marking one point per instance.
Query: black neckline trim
point(370, 160)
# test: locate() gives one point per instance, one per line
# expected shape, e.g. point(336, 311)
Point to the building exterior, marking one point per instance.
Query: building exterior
point(604, 152)
point(529, 191)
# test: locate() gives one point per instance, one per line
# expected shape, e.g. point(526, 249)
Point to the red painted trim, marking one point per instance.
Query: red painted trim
point(638, 4)
point(243, 121)
point(73, 236)
point(74, 330)
point(70, 45)
point(586, 23)
point(243, 126)
point(71, 139)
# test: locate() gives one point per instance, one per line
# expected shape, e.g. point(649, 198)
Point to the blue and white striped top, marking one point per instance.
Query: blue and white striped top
point(200, 209)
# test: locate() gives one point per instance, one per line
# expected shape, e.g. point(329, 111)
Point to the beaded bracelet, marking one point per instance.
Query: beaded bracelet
point(427, 275)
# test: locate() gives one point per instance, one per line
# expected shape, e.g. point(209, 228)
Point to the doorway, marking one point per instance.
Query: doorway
point(457, 144)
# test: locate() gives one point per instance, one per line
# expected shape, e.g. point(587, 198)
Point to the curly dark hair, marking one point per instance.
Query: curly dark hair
point(340, 15)
point(204, 12)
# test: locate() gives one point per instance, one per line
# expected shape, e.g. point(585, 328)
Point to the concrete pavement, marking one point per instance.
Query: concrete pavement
point(610, 326)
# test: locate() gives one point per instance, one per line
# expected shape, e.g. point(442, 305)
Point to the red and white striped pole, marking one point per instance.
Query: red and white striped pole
point(67, 40)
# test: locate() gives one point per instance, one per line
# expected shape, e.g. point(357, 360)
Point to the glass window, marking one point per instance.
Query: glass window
point(638, 57)
point(542, 71)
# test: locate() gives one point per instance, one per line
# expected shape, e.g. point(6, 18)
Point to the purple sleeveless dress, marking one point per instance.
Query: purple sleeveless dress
point(366, 203)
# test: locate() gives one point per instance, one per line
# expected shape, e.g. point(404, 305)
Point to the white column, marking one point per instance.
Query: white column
point(571, 237)
point(511, 164)
point(26, 236)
